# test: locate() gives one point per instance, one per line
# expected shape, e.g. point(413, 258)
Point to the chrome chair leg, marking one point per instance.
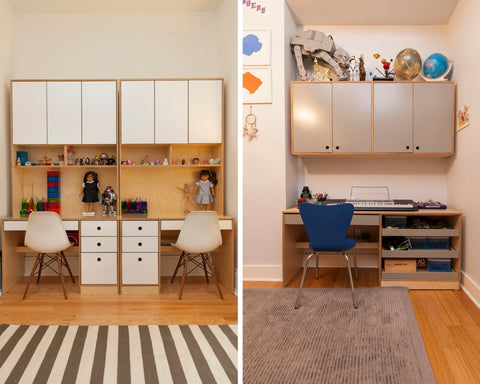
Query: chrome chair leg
point(351, 281)
point(303, 279)
point(316, 269)
point(355, 262)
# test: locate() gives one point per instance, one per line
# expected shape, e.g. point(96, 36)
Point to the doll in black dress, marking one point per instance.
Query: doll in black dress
point(90, 188)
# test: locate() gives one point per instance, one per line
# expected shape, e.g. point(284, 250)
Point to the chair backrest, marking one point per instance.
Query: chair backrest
point(200, 232)
point(45, 233)
point(327, 226)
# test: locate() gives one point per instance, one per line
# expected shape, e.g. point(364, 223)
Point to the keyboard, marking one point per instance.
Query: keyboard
point(377, 205)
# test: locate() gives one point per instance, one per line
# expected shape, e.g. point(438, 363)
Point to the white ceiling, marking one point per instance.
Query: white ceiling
point(70, 6)
point(372, 12)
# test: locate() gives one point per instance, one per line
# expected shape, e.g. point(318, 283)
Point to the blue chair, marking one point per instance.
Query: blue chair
point(327, 227)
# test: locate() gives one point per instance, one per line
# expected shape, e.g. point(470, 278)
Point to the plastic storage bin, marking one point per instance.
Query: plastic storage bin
point(438, 243)
point(418, 242)
point(395, 221)
point(438, 265)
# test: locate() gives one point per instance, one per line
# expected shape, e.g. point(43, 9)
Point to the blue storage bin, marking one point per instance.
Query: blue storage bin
point(438, 243)
point(439, 265)
point(418, 242)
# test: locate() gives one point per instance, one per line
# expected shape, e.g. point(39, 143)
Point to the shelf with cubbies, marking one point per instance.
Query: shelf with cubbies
point(413, 253)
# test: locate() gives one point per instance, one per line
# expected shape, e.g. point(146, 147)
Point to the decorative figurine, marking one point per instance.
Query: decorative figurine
point(353, 69)
point(363, 72)
point(90, 188)
point(205, 189)
point(109, 201)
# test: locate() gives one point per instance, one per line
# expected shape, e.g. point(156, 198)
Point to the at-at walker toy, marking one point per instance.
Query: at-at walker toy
point(316, 44)
point(109, 201)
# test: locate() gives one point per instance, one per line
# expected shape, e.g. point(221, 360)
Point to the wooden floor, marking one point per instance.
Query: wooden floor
point(449, 322)
point(46, 305)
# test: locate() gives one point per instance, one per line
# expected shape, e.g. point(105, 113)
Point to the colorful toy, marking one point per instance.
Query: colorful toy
point(90, 188)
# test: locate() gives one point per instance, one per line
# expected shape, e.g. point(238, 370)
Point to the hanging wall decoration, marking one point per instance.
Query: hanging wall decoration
point(250, 129)
point(463, 117)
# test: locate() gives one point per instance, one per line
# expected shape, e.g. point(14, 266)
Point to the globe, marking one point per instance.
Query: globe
point(435, 66)
point(407, 64)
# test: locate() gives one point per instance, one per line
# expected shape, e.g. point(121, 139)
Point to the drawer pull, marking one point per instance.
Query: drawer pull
point(140, 228)
point(140, 244)
point(99, 244)
point(99, 228)
point(139, 259)
point(99, 259)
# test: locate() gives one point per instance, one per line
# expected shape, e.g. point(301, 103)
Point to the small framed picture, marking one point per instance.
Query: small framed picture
point(257, 85)
point(256, 47)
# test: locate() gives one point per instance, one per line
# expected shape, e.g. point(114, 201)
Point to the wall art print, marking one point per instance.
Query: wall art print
point(257, 85)
point(256, 47)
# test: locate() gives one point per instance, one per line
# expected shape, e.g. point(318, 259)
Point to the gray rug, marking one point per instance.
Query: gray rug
point(118, 354)
point(327, 341)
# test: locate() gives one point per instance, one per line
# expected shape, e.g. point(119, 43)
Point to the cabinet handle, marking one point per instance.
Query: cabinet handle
point(99, 228)
point(327, 147)
point(337, 147)
point(99, 259)
point(407, 147)
point(140, 244)
point(140, 228)
point(139, 259)
point(99, 244)
point(417, 147)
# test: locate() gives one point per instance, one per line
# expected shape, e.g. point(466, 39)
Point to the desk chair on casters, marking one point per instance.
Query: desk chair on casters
point(327, 228)
point(47, 236)
point(200, 234)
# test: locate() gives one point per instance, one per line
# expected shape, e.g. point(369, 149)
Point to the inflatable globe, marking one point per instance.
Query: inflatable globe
point(407, 64)
point(435, 66)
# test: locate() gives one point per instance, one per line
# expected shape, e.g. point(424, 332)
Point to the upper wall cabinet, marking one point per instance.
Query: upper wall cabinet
point(326, 116)
point(172, 111)
point(64, 112)
point(410, 119)
point(29, 112)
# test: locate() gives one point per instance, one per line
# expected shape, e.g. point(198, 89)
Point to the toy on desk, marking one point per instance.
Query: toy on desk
point(109, 202)
point(90, 188)
point(431, 205)
point(136, 206)
point(205, 189)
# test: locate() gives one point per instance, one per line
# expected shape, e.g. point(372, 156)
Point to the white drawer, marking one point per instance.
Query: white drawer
point(139, 244)
point(99, 228)
point(98, 244)
point(172, 225)
point(140, 228)
point(139, 268)
point(99, 268)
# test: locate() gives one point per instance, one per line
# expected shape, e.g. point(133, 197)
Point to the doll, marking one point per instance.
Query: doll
point(205, 190)
point(90, 188)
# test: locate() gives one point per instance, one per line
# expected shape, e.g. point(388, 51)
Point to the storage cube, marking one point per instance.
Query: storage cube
point(395, 221)
point(438, 265)
point(439, 243)
point(400, 265)
point(418, 242)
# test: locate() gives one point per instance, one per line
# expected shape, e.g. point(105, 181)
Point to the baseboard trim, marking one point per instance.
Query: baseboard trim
point(262, 273)
point(471, 288)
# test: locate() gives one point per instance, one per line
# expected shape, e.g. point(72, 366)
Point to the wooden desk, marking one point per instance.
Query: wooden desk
point(295, 241)
point(13, 252)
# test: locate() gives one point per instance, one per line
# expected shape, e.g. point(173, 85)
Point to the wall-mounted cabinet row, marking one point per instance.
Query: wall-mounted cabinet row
point(372, 119)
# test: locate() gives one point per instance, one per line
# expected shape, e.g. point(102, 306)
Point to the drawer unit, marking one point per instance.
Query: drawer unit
point(140, 228)
point(99, 268)
point(140, 268)
point(99, 252)
point(140, 259)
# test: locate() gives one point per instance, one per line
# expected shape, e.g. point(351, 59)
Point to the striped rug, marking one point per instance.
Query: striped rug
point(118, 354)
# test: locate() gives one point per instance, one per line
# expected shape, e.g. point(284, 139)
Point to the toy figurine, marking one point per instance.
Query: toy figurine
point(205, 190)
point(109, 201)
point(90, 188)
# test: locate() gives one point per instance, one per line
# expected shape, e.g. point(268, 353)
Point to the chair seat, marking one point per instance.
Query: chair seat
point(345, 245)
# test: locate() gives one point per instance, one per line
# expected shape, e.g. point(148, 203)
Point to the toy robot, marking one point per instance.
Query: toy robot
point(316, 44)
point(109, 201)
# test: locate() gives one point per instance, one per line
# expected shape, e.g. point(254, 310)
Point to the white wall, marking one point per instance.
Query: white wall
point(463, 181)
point(6, 70)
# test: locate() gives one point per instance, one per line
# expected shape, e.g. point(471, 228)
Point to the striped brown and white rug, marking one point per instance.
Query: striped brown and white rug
point(118, 354)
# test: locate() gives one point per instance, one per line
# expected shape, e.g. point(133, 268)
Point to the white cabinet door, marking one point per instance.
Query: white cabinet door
point(393, 117)
point(99, 112)
point(433, 117)
point(205, 110)
point(29, 112)
point(98, 268)
point(352, 117)
point(311, 117)
point(64, 112)
point(171, 112)
point(137, 112)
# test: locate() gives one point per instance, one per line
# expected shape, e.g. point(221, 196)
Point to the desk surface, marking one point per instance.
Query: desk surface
point(420, 212)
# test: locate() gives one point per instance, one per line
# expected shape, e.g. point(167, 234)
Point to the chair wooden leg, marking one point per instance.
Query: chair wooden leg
point(65, 261)
point(204, 256)
point(31, 275)
point(185, 266)
point(303, 279)
point(214, 277)
point(182, 256)
point(351, 281)
point(60, 272)
point(41, 267)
